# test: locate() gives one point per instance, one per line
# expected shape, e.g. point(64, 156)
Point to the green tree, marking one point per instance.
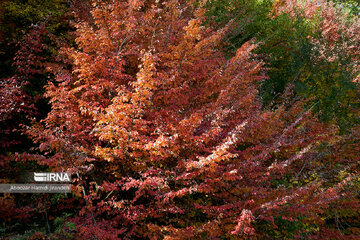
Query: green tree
point(298, 52)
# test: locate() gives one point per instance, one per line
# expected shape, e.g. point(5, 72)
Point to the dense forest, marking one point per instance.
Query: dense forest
point(182, 119)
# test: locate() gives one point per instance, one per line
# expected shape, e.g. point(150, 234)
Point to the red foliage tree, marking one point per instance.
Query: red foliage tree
point(168, 138)
point(14, 99)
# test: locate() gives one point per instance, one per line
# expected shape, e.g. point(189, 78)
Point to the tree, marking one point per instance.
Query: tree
point(308, 44)
point(169, 139)
point(351, 6)
point(30, 34)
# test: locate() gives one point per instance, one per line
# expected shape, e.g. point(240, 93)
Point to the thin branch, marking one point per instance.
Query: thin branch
point(47, 221)
point(119, 48)
point(296, 177)
point(153, 35)
point(83, 189)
